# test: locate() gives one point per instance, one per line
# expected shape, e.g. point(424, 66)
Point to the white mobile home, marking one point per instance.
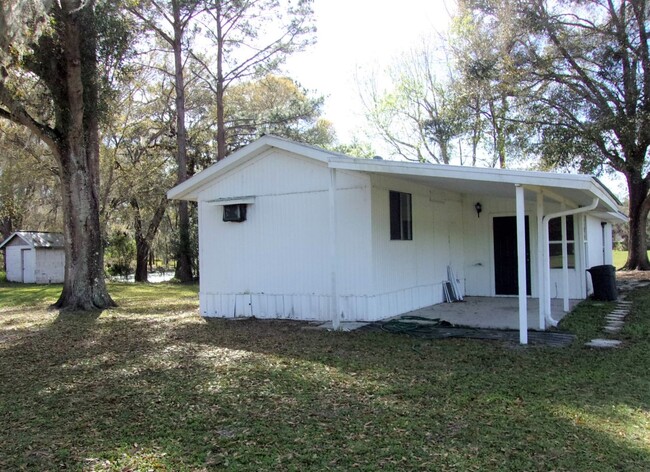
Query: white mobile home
point(288, 230)
point(33, 257)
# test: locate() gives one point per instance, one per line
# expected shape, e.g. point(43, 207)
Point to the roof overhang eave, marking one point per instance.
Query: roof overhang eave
point(556, 183)
point(12, 236)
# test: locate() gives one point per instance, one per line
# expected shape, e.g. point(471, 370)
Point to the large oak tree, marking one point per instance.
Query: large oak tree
point(52, 47)
point(586, 67)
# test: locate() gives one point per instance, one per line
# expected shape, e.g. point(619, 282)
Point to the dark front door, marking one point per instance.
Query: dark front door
point(505, 255)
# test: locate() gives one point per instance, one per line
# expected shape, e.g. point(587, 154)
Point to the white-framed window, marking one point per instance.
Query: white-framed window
point(555, 243)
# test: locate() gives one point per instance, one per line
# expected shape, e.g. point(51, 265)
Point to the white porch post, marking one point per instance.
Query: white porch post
point(521, 264)
point(334, 305)
point(565, 265)
point(541, 289)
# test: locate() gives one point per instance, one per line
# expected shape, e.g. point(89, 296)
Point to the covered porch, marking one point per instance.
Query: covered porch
point(490, 312)
point(540, 291)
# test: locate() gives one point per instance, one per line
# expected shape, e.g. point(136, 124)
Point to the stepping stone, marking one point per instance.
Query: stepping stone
point(615, 324)
point(612, 329)
point(603, 343)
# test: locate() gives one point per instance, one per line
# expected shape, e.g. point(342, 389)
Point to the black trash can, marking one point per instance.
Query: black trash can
point(603, 278)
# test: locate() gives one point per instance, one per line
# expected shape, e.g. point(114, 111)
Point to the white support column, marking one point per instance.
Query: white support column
point(521, 264)
point(565, 265)
point(602, 230)
point(541, 289)
point(334, 305)
point(579, 248)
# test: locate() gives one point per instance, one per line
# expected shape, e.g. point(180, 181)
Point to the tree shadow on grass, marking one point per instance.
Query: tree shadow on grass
point(23, 295)
point(134, 393)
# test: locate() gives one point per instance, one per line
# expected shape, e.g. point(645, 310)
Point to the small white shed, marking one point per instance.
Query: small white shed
point(287, 230)
point(34, 257)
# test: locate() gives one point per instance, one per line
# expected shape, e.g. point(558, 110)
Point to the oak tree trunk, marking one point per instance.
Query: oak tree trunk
point(78, 158)
point(141, 258)
point(637, 257)
point(84, 287)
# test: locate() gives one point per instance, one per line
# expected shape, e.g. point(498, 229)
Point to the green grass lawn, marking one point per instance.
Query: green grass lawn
point(620, 258)
point(152, 386)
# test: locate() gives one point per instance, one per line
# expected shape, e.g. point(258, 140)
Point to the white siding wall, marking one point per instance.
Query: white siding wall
point(408, 274)
point(595, 244)
point(479, 247)
point(20, 261)
point(41, 266)
point(479, 241)
point(50, 266)
point(276, 264)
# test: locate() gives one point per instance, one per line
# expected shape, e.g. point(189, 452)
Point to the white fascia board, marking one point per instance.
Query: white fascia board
point(465, 173)
point(248, 200)
point(6, 241)
point(610, 217)
point(516, 177)
point(605, 196)
point(189, 189)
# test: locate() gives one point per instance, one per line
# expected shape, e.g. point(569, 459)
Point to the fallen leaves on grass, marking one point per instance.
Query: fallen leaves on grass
point(151, 386)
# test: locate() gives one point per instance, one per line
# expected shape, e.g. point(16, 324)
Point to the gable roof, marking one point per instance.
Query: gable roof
point(188, 189)
point(37, 239)
point(578, 189)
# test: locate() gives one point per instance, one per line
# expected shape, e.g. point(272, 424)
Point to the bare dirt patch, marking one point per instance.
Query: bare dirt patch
point(630, 275)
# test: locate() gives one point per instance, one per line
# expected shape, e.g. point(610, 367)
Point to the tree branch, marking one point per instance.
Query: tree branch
point(16, 113)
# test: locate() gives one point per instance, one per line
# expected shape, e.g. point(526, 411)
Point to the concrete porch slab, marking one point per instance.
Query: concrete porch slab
point(490, 312)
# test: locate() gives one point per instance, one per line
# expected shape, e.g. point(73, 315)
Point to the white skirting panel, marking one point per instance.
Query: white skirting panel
point(395, 303)
point(316, 307)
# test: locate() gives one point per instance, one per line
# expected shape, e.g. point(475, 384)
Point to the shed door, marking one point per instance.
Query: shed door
point(505, 255)
point(22, 265)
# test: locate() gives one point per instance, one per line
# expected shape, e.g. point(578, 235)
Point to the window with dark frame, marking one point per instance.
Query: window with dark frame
point(401, 220)
point(555, 243)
